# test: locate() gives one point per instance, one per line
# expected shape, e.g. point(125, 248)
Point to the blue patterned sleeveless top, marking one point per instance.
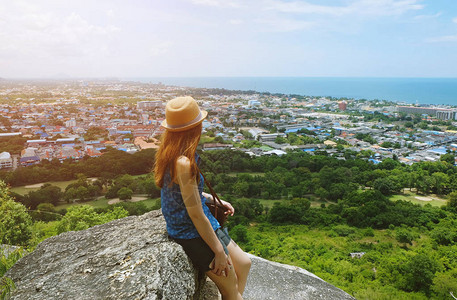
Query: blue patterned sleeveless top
point(179, 224)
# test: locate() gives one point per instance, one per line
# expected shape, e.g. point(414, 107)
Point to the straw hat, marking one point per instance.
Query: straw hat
point(182, 113)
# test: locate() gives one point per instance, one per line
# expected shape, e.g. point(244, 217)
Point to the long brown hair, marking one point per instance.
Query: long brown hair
point(172, 146)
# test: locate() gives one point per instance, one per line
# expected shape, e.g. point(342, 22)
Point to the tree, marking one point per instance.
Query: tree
point(70, 194)
point(125, 193)
point(239, 233)
point(419, 273)
point(150, 188)
point(282, 213)
point(46, 212)
point(15, 222)
point(280, 140)
point(387, 145)
point(441, 182)
point(386, 186)
point(84, 216)
point(95, 132)
point(404, 235)
point(78, 218)
point(443, 283)
point(82, 193)
point(241, 188)
point(452, 202)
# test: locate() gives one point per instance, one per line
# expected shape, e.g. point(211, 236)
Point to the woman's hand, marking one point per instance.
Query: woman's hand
point(221, 264)
point(230, 210)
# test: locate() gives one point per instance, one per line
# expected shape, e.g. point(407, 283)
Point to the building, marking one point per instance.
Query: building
point(270, 137)
point(36, 142)
point(342, 105)
point(417, 110)
point(446, 114)
point(440, 113)
point(65, 140)
point(216, 146)
point(70, 123)
point(5, 160)
point(254, 103)
point(9, 134)
point(29, 157)
point(149, 104)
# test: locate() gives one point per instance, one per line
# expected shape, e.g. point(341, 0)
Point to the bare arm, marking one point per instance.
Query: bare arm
point(191, 197)
point(210, 199)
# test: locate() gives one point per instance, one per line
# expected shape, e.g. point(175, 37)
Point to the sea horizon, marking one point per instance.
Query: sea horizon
point(420, 90)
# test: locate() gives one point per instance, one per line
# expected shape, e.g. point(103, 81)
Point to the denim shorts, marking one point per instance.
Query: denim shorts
point(200, 253)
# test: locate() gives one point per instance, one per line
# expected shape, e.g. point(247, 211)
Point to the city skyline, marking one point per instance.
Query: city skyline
point(356, 38)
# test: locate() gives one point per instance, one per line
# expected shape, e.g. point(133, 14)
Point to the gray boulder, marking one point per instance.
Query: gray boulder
point(132, 258)
point(271, 281)
point(129, 258)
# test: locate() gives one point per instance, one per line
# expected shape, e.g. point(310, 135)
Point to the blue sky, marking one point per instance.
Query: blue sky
point(347, 38)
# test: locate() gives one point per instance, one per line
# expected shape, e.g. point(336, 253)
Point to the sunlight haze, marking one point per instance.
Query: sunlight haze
point(354, 38)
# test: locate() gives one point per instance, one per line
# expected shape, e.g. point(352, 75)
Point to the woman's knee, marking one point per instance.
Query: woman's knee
point(243, 261)
point(239, 255)
point(248, 263)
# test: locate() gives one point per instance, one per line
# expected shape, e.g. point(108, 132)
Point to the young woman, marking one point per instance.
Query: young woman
point(189, 221)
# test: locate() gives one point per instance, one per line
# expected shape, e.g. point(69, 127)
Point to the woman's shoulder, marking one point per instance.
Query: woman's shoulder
point(182, 164)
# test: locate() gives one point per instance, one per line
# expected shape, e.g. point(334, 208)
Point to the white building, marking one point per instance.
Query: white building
point(149, 104)
point(270, 137)
point(70, 123)
point(447, 114)
point(5, 160)
point(254, 103)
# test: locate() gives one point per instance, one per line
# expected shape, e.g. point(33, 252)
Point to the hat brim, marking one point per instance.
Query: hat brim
point(204, 113)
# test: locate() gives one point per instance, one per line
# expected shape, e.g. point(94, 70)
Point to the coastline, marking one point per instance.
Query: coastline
point(431, 91)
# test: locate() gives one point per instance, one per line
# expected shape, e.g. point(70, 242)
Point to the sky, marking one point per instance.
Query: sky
point(225, 38)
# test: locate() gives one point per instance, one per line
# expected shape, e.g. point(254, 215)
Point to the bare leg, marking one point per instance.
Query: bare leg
point(227, 285)
point(242, 264)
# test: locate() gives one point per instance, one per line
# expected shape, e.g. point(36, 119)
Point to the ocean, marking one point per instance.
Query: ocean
point(436, 91)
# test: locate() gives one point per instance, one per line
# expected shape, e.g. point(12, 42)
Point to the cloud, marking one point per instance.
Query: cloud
point(305, 8)
point(454, 20)
point(359, 7)
point(426, 17)
point(217, 3)
point(110, 13)
point(160, 48)
point(54, 35)
point(276, 24)
point(441, 39)
point(236, 22)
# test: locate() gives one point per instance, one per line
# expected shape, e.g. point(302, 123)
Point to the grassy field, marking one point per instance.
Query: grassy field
point(269, 203)
point(314, 202)
point(433, 200)
point(22, 190)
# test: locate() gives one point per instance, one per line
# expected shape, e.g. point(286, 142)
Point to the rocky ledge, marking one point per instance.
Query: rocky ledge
point(132, 258)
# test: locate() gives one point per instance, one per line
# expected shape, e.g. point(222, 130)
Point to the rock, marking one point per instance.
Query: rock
point(210, 291)
point(271, 280)
point(132, 258)
point(129, 258)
